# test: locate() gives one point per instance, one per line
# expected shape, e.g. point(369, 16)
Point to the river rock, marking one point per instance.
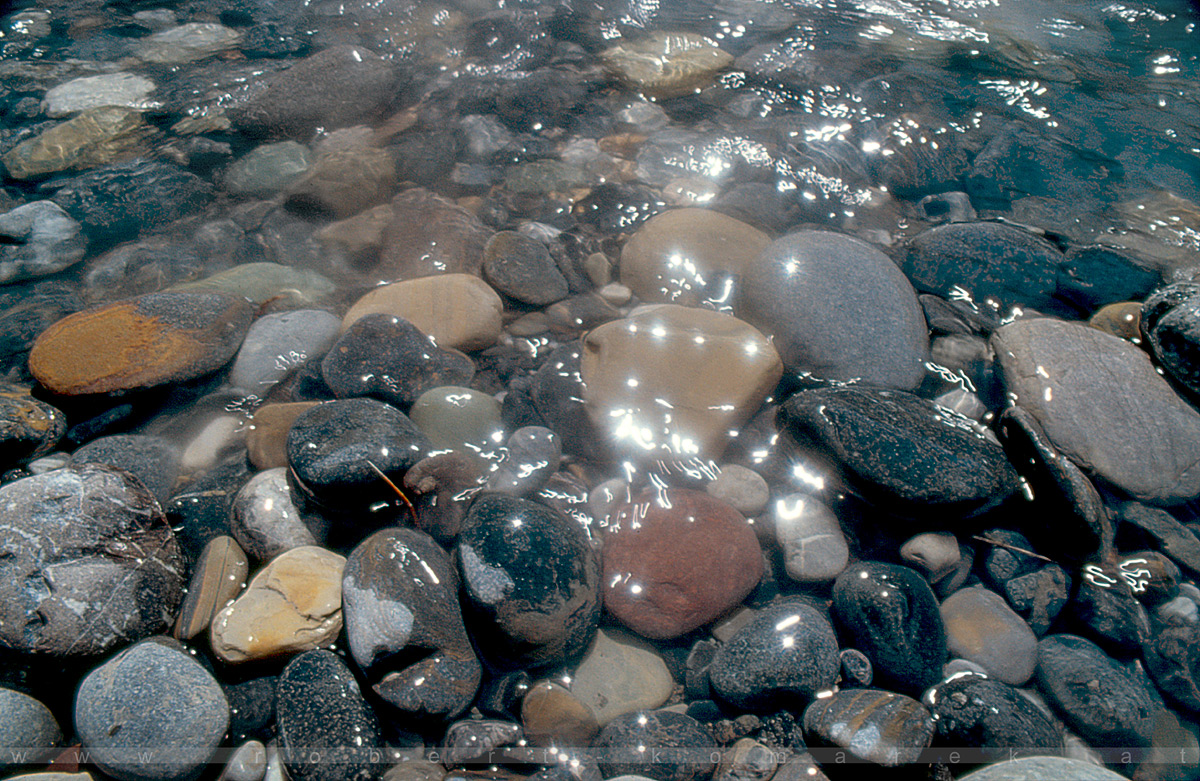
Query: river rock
point(1164, 532)
point(667, 64)
point(458, 311)
point(293, 604)
point(673, 381)
point(891, 615)
point(264, 519)
point(186, 43)
point(95, 137)
point(218, 576)
point(327, 731)
point(530, 582)
point(441, 487)
point(429, 235)
point(814, 547)
point(348, 176)
point(151, 459)
point(937, 554)
point(391, 359)
point(1038, 768)
point(404, 626)
point(1172, 329)
point(1103, 405)
point(620, 674)
point(785, 656)
point(278, 344)
point(266, 435)
point(471, 740)
point(152, 698)
point(266, 169)
point(91, 562)
point(26, 725)
point(883, 727)
point(675, 256)
point(28, 428)
point(521, 267)
point(552, 716)
point(334, 88)
point(143, 342)
point(661, 744)
point(901, 452)
point(248, 763)
point(124, 89)
point(677, 560)
point(743, 489)
point(39, 238)
point(838, 309)
point(1039, 596)
point(982, 628)
point(457, 418)
point(973, 710)
point(266, 283)
point(532, 456)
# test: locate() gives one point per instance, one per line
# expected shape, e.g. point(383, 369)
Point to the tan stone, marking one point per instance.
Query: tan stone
point(293, 604)
point(1121, 319)
point(359, 236)
point(219, 575)
point(552, 715)
point(675, 254)
point(266, 439)
point(667, 64)
point(95, 137)
point(672, 381)
point(459, 311)
point(347, 177)
point(621, 674)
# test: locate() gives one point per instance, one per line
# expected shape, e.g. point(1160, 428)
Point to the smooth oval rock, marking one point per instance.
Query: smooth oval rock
point(266, 435)
point(264, 519)
point(982, 628)
point(151, 713)
point(147, 341)
point(974, 710)
point(677, 560)
point(460, 311)
point(267, 169)
point(672, 381)
point(836, 308)
point(1038, 768)
point(814, 547)
point(428, 235)
point(883, 727)
point(186, 43)
point(278, 344)
point(91, 562)
point(620, 674)
point(29, 728)
point(458, 418)
point(667, 64)
point(743, 489)
point(218, 576)
point(38, 238)
point(521, 267)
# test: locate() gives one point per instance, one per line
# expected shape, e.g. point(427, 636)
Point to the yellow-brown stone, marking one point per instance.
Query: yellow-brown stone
point(459, 311)
point(95, 137)
point(1121, 319)
point(266, 440)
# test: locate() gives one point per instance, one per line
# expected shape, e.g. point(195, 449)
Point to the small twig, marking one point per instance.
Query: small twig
point(411, 510)
point(1014, 548)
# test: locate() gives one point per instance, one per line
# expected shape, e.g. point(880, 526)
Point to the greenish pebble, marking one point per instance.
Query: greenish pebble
point(267, 169)
point(264, 282)
point(545, 176)
point(456, 418)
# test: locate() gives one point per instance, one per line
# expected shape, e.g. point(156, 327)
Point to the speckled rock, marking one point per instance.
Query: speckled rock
point(152, 697)
point(683, 749)
point(883, 727)
point(27, 725)
point(264, 519)
point(151, 340)
point(151, 459)
point(981, 627)
point(814, 547)
point(459, 311)
point(667, 64)
point(218, 576)
point(293, 604)
point(28, 428)
point(521, 267)
point(973, 710)
point(91, 563)
point(620, 674)
point(676, 561)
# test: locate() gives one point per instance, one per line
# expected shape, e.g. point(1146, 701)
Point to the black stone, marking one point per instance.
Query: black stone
point(1094, 276)
point(28, 428)
point(679, 746)
point(200, 509)
point(521, 267)
point(857, 671)
point(545, 98)
point(787, 654)
point(890, 614)
point(904, 454)
point(1172, 657)
point(1007, 556)
point(1152, 577)
point(390, 359)
point(530, 582)
point(1171, 325)
point(696, 683)
point(1161, 530)
point(251, 707)
point(501, 695)
point(557, 392)
point(1107, 610)
point(150, 459)
point(326, 730)
point(974, 710)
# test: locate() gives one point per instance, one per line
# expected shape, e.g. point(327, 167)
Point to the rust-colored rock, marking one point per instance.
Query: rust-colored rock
point(139, 343)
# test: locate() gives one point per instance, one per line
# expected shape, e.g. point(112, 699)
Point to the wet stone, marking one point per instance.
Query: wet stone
point(521, 268)
point(903, 453)
point(441, 487)
point(682, 744)
point(38, 238)
point(1037, 768)
point(293, 604)
point(248, 763)
point(186, 43)
point(251, 706)
point(267, 169)
point(890, 614)
point(429, 235)
point(1164, 532)
point(95, 137)
point(982, 628)
point(153, 695)
point(1172, 653)
point(348, 175)
point(747, 760)
point(675, 562)
point(199, 509)
point(937, 554)
point(278, 344)
point(457, 418)
point(974, 710)
point(857, 672)
point(1095, 276)
point(458, 311)
point(124, 89)
point(399, 590)
point(217, 577)
point(25, 723)
point(1122, 320)
point(390, 358)
point(152, 460)
point(837, 308)
point(1105, 605)
point(266, 283)
point(814, 547)
point(531, 582)
point(1039, 596)
point(1152, 577)
point(1172, 329)
point(667, 64)
point(473, 739)
point(743, 489)
point(785, 656)
point(532, 456)
point(99, 542)
point(264, 519)
point(883, 727)
point(320, 709)
point(151, 340)
point(28, 428)
point(553, 716)
point(266, 435)
point(620, 674)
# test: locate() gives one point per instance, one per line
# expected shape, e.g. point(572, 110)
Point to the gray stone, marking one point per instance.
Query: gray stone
point(533, 455)
point(522, 268)
point(151, 699)
point(248, 763)
point(37, 239)
point(267, 169)
point(151, 459)
point(743, 489)
point(276, 345)
point(264, 519)
point(814, 547)
point(621, 674)
point(1101, 402)
point(26, 724)
point(935, 553)
point(1041, 768)
point(186, 43)
point(981, 627)
point(107, 89)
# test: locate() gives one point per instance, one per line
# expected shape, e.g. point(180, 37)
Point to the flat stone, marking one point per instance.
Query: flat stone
point(814, 546)
point(266, 169)
point(186, 43)
point(430, 235)
point(266, 436)
point(982, 628)
point(684, 746)
point(39, 238)
point(672, 381)
point(836, 308)
point(152, 697)
point(458, 311)
point(28, 428)
point(147, 341)
point(1101, 402)
point(620, 674)
point(901, 452)
point(348, 175)
point(1039, 768)
point(458, 418)
point(278, 344)
point(553, 716)
point(675, 256)
point(266, 282)
point(883, 727)
point(973, 710)
point(676, 561)
point(217, 578)
point(293, 604)
point(124, 89)
point(264, 519)
point(667, 64)
point(27, 725)
point(93, 138)
point(91, 564)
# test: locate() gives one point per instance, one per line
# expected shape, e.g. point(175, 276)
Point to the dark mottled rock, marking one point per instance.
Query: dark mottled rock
point(973, 710)
point(661, 745)
point(1039, 596)
point(903, 453)
point(521, 267)
point(837, 309)
point(558, 395)
point(1107, 703)
point(334, 450)
point(400, 604)
point(470, 740)
point(1094, 276)
point(199, 509)
point(26, 724)
point(676, 560)
point(613, 207)
point(886, 728)
point(152, 460)
point(389, 358)
point(90, 562)
point(151, 713)
point(326, 730)
point(1171, 326)
point(856, 669)
point(28, 428)
point(1164, 532)
point(1172, 655)
point(334, 88)
point(785, 656)
point(1000, 266)
point(1105, 605)
point(890, 614)
point(119, 201)
point(531, 582)
point(1151, 576)
point(251, 704)
point(1100, 401)
point(38, 238)
point(441, 487)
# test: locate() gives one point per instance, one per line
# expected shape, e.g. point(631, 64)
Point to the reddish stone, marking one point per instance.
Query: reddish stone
point(676, 560)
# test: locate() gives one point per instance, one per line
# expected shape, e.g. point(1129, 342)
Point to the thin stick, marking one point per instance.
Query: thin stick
point(1006, 546)
point(411, 510)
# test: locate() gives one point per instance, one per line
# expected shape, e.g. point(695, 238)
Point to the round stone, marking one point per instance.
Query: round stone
point(935, 553)
point(264, 520)
point(883, 727)
point(1039, 768)
point(676, 560)
point(982, 628)
point(553, 716)
point(974, 710)
point(107, 89)
point(532, 455)
point(682, 747)
point(28, 725)
point(743, 489)
point(667, 64)
point(814, 547)
point(457, 418)
point(267, 169)
point(266, 436)
point(277, 345)
point(620, 674)
point(521, 267)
